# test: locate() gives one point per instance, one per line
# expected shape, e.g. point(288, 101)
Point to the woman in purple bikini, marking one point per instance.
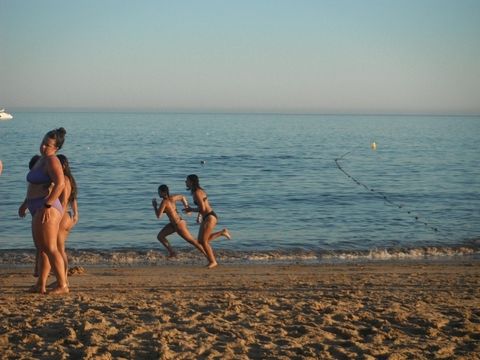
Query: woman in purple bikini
point(45, 185)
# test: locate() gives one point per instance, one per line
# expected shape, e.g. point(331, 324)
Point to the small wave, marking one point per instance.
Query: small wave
point(407, 254)
point(137, 257)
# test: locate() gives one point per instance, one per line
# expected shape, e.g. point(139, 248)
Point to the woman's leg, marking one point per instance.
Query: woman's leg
point(224, 232)
point(48, 237)
point(162, 237)
point(37, 255)
point(182, 230)
point(45, 268)
point(64, 230)
point(206, 228)
point(40, 262)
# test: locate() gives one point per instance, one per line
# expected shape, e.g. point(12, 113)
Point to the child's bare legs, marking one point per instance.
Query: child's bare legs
point(162, 237)
point(182, 230)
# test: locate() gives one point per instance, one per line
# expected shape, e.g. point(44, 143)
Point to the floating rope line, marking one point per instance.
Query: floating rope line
point(381, 194)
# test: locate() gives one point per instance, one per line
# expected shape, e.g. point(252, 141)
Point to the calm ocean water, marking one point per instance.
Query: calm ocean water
point(271, 178)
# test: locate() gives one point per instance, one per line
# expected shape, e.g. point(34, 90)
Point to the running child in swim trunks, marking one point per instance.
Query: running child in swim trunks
point(176, 224)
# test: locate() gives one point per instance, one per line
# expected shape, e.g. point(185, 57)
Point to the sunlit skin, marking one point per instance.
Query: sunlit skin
point(168, 207)
point(45, 222)
point(67, 222)
point(207, 225)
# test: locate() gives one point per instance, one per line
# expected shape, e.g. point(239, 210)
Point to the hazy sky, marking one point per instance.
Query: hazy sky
point(403, 56)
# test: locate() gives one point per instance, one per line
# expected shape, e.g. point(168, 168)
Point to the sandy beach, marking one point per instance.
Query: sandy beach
point(384, 310)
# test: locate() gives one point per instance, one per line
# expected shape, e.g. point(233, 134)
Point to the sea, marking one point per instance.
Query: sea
point(291, 188)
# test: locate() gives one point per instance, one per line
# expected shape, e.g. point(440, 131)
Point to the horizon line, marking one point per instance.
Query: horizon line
point(241, 111)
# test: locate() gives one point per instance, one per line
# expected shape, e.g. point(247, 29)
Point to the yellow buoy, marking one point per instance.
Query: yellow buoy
point(373, 145)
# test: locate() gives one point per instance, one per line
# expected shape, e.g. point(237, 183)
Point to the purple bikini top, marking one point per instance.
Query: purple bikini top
point(37, 176)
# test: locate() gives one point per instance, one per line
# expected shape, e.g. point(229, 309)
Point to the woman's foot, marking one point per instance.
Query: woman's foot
point(212, 265)
point(226, 233)
point(60, 290)
point(35, 289)
point(54, 285)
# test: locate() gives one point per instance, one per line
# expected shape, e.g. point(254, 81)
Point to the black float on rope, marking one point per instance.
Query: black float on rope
point(379, 193)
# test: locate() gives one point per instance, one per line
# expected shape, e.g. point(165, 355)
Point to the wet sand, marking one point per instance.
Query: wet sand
point(384, 310)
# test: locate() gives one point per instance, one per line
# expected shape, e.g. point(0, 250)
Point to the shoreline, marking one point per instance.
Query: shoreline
point(186, 256)
point(199, 263)
point(386, 310)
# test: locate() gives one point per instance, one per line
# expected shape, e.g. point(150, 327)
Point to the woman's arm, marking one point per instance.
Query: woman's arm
point(187, 209)
point(180, 197)
point(158, 210)
point(75, 211)
point(54, 170)
point(22, 210)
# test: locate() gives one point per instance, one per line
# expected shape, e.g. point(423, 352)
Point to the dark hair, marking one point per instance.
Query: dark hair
point(195, 182)
point(58, 135)
point(164, 188)
point(68, 173)
point(33, 161)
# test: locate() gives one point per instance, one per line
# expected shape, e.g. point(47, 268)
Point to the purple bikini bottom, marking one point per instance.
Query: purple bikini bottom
point(38, 203)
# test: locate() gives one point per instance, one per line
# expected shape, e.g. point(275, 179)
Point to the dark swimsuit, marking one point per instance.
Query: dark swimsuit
point(211, 213)
point(38, 177)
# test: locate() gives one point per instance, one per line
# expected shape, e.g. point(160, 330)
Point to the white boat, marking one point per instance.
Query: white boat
point(4, 115)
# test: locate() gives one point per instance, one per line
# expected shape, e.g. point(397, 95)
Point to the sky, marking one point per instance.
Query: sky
point(337, 56)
